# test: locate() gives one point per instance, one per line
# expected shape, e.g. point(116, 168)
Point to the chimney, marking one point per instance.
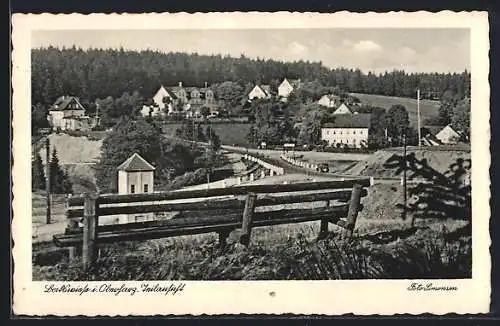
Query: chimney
point(206, 84)
point(180, 84)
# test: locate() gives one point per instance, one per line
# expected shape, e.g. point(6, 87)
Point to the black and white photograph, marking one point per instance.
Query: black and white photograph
point(252, 154)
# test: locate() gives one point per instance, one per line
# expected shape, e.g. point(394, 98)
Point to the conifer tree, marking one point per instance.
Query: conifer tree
point(37, 173)
point(59, 180)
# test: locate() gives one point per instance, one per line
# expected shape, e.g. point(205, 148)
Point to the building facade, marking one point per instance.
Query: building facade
point(260, 92)
point(448, 135)
point(135, 176)
point(329, 100)
point(287, 87)
point(67, 113)
point(343, 109)
point(348, 130)
point(183, 99)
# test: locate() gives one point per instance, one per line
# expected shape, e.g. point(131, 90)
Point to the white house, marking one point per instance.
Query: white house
point(448, 135)
point(67, 113)
point(260, 91)
point(329, 100)
point(135, 176)
point(164, 99)
point(287, 87)
point(347, 130)
point(343, 109)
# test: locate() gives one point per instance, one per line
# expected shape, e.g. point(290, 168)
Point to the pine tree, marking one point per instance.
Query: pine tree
point(59, 180)
point(37, 173)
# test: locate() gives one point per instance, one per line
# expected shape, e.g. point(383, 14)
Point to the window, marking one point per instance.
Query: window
point(334, 132)
point(354, 132)
point(146, 188)
point(132, 189)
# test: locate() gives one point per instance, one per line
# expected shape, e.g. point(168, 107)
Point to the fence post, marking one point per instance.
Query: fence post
point(354, 204)
point(90, 222)
point(223, 235)
point(246, 228)
point(73, 252)
point(323, 228)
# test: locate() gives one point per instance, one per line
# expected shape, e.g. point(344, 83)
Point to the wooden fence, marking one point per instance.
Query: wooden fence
point(210, 212)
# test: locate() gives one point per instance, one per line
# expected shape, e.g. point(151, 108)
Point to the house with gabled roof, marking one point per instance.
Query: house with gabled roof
point(164, 99)
point(343, 109)
point(260, 92)
point(329, 100)
point(135, 176)
point(448, 135)
point(287, 86)
point(67, 113)
point(347, 130)
point(188, 98)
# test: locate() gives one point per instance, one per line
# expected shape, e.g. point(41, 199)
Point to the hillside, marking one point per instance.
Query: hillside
point(438, 160)
point(229, 133)
point(71, 150)
point(428, 108)
point(77, 156)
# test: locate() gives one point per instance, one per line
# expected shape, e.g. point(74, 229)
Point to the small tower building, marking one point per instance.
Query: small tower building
point(135, 176)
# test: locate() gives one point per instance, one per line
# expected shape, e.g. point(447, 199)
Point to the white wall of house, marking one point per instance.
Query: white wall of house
point(325, 100)
point(59, 119)
point(159, 97)
point(139, 179)
point(136, 180)
point(257, 92)
point(448, 136)
point(352, 137)
point(342, 109)
point(285, 88)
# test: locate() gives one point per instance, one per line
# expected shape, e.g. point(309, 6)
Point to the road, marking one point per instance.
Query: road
point(309, 155)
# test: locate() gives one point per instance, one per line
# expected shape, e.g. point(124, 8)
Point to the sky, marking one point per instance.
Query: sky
point(376, 50)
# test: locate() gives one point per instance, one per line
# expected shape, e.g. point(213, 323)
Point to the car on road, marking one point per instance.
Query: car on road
point(323, 167)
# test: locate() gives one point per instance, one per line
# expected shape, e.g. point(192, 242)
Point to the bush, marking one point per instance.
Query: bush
point(188, 179)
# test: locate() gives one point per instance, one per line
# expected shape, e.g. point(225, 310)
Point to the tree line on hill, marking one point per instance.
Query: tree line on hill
point(98, 74)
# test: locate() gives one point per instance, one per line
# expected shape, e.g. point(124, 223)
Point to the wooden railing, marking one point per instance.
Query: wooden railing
point(220, 210)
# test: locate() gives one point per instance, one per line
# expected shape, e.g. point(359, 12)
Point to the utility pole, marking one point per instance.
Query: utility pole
point(194, 133)
point(418, 118)
point(47, 178)
point(405, 200)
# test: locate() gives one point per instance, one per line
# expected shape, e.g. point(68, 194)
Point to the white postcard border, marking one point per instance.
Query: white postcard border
point(384, 297)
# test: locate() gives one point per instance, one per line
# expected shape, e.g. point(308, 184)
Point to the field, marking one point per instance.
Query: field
point(428, 109)
point(232, 133)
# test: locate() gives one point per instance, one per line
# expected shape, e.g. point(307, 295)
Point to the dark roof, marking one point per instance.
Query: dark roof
point(266, 89)
point(176, 89)
point(294, 82)
point(433, 130)
point(169, 91)
point(361, 120)
point(62, 103)
point(135, 163)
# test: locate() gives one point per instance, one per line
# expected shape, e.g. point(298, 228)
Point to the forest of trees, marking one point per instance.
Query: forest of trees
point(96, 74)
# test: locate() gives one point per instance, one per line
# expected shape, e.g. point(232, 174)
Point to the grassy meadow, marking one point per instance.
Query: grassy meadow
point(229, 133)
point(428, 108)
